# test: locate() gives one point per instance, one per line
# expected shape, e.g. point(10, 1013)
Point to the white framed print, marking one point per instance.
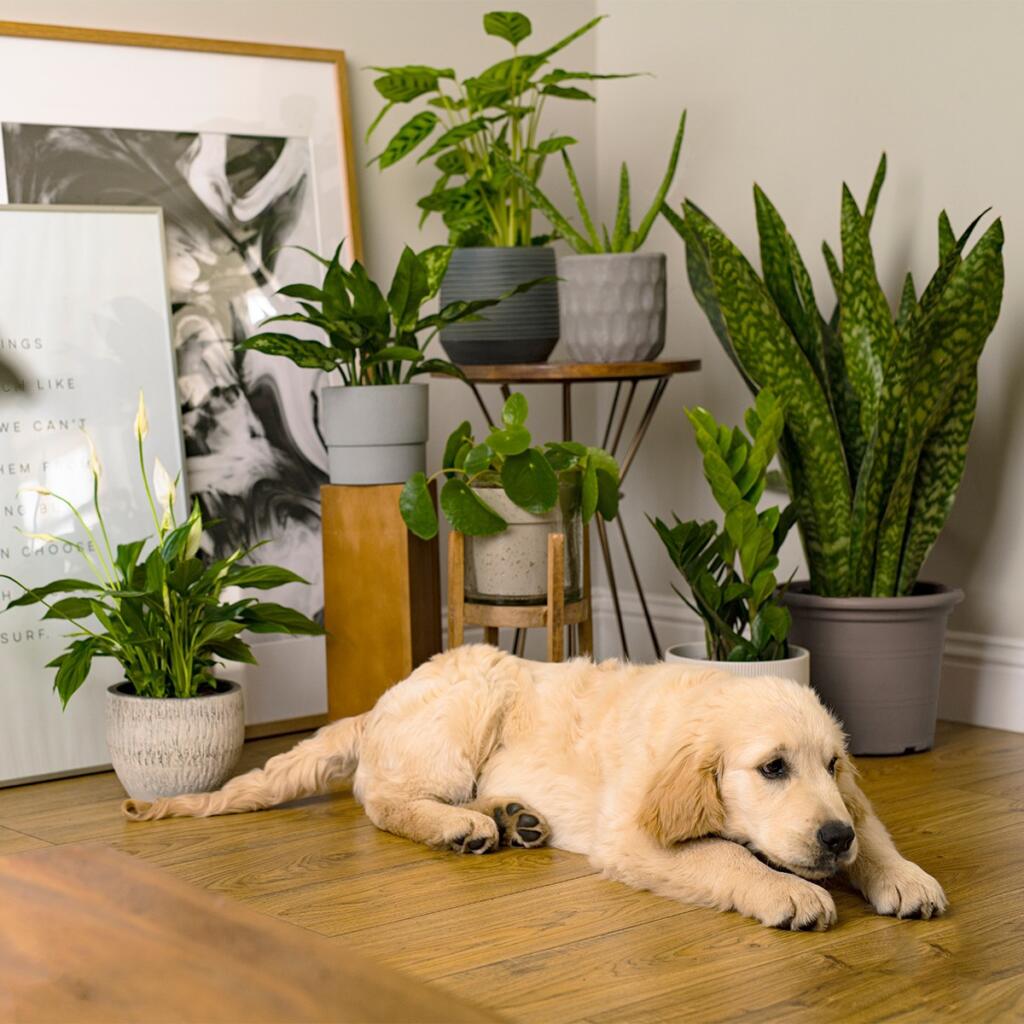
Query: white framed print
point(84, 327)
point(247, 150)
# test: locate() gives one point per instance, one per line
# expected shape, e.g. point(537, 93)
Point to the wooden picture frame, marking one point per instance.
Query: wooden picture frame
point(196, 88)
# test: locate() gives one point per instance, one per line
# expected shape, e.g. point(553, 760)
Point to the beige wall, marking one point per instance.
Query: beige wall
point(795, 94)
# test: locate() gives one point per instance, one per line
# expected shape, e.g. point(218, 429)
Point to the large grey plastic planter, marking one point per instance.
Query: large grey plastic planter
point(877, 662)
point(694, 655)
point(613, 306)
point(523, 329)
point(511, 567)
point(375, 434)
point(164, 747)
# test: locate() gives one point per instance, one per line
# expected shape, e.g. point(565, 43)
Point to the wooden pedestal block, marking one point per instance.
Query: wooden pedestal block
point(382, 595)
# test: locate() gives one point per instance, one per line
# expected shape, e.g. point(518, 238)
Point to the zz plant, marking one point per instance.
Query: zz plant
point(731, 571)
point(373, 338)
point(163, 614)
point(623, 237)
point(479, 127)
point(507, 459)
point(878, 408)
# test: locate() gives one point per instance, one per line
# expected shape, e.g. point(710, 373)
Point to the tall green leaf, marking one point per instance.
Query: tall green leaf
point(510, 25)
point(407, 138)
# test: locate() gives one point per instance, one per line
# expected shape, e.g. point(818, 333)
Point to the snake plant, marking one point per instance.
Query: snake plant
point(878, 408)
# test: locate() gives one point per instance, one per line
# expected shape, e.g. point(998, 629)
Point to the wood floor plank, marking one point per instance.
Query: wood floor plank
point(16, 842)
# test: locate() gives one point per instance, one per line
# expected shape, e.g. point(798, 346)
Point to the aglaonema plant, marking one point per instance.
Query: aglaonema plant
point(163, 614)
point(731, 570)
point(623, 237)
point(530, 476)
point(479, 126)
point(878, 407)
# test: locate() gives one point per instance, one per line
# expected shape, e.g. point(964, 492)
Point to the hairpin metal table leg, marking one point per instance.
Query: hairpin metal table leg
point(602, 536)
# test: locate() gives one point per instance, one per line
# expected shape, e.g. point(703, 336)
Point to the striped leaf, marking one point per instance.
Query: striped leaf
point(509, 25)
point(769, 352)
point(454, 136)
point(407, 138)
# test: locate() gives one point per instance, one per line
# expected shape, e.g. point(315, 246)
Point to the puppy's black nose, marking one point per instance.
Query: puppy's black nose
point(836, 837)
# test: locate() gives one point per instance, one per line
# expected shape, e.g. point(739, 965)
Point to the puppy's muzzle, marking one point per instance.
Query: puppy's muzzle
point(835, 838)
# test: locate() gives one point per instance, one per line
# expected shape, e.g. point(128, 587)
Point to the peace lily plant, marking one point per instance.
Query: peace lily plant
point(163, 615)
point(878, 409)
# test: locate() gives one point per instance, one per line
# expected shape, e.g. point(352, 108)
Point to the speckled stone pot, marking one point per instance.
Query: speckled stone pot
point(612, 306)
point(163, 747)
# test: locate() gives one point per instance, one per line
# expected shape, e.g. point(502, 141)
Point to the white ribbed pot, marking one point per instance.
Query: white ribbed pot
point(694, 655)
point(612, 306)
point(375, 434)
point(511, 567)
point(166, 746)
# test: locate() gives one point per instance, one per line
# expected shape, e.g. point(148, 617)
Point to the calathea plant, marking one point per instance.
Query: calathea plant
point(507, 459)
point(878, 408)
point(478, 127)
point(731, 571)
point(163, 614)
point(373, 338)
point(623, 236)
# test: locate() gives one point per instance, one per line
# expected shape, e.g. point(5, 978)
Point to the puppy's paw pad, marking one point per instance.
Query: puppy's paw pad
point(799, 906)
point(519, 826)
point(470, 843)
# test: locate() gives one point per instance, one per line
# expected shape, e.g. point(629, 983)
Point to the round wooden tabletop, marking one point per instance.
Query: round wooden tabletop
point(567, 373)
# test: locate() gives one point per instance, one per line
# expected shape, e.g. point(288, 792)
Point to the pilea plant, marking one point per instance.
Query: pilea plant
point(507, 459)
point(623, 236)
point(731, 571)
point(480, 125)
point(878, 408)
point(373, 338)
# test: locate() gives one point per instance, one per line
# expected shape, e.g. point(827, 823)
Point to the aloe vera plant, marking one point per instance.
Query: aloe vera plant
point(731, 571)
point(878, 408)
point(623, 237)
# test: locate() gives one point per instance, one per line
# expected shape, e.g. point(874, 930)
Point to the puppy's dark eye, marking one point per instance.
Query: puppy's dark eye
point(832, 766)
point(774, 769)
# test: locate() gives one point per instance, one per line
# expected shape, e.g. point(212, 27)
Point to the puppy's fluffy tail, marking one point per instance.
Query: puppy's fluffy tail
point(308, 768)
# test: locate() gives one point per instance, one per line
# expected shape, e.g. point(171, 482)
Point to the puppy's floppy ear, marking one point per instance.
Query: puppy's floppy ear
point(857, 804)
point(683, 802)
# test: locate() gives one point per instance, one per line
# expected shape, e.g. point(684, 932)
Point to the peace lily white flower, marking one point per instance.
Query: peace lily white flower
point(43, 536)
point(94, 460)
point(141, 419)
point(164, 487)
point(35, 489)
point(195, 535)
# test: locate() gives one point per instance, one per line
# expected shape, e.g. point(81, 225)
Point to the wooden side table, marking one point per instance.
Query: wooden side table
point(627, 378)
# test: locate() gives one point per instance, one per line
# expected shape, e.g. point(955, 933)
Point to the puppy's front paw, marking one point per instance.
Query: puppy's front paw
point(902, 889)
point(795, 904)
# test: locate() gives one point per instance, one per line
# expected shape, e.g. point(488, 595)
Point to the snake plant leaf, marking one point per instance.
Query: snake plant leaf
point(939, 471)
point(769, 352)
point(509, 25)
point(866, 328)
point(407, 138)
point(581, 205)
point(947, 239)
point(530, 482)
point(467, 512)
point(645, 225)
point(622, 213)
point(908, 301)
point(553, 214)
point(876, 187)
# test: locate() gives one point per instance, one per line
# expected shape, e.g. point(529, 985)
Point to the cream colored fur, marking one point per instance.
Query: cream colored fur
point(650, 771)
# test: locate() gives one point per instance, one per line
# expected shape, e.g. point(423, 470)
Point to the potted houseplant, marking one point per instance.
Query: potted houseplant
point(878, 411)
point(472, 129)
point(168, 618)
point(506, 495)
point(374, 434)
point(731, 570)
point(611, 297)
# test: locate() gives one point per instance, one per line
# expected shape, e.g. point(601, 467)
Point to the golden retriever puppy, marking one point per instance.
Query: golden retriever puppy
point(732, 793)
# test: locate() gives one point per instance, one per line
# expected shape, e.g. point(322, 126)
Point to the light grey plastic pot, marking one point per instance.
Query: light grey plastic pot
point(375, 434)
point(877, 661)
point(511, 567)
point(796, 667)
point(523, 329)
point(164, 747)
point(612, 306)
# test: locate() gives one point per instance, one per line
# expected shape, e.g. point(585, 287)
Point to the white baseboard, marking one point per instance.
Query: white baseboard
point(982, 676)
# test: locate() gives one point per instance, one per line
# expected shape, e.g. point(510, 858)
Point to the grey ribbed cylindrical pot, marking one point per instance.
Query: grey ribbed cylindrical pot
point(694, 655)
point(523, 329)
point(612, 306)
point(877, 661)
point(167, 746)
point(375, 434)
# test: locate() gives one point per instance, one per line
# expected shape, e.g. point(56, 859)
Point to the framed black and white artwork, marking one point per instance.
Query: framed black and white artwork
point(246, 150)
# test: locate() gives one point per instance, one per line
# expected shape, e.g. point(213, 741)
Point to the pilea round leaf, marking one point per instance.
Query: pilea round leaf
point(530, 482)
point(467, 512)
point(509, 440)
point(417, 507)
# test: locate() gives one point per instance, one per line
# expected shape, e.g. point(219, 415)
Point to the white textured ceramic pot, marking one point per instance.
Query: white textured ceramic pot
point(612, 306)
point(511, 567)
point(796, 667)
point(166, 746)
point(375, 434)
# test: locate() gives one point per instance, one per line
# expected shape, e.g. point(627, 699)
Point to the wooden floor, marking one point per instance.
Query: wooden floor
point(537, 936)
